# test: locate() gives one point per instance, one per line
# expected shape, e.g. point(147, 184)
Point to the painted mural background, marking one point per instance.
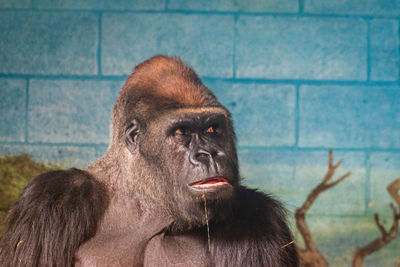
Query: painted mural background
point(300, 77)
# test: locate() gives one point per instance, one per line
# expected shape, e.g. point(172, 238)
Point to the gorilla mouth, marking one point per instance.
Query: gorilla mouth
point(210, 183)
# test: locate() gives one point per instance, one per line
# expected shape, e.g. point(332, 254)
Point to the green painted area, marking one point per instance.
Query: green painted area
point(15, 173)
point(337, 237)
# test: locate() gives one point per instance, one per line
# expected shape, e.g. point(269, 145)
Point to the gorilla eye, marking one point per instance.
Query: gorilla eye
point(181, 131)
point(178, 131)
point(213, 129)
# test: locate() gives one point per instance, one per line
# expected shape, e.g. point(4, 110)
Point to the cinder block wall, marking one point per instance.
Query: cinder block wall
point(300, 77)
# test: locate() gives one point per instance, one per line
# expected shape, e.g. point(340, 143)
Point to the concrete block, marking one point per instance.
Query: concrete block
point(12, 110)
point(101, 4)
point(291, 175)
point(385, 168)
point(278, 6)
point(67, 111)
point(346, 198)
point(353, 7)
point(263, 114)
point(48, 43)
point(349, 116)
point(270, 47)
point(14, 3)
point(272, 172)
point(384, 50)
point(203, 41)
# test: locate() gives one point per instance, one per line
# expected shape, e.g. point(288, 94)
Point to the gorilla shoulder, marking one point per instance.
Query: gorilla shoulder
point(59, 205)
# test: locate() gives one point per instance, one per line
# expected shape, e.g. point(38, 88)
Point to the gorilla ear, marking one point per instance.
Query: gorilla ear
point(131, 135)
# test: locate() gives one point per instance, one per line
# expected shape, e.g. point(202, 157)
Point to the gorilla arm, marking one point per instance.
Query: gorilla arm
point(55, 214)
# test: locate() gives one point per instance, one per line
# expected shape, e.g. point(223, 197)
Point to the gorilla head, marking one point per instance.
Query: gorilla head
point(175, 141)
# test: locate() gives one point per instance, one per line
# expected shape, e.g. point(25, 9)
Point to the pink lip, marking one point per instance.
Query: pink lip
point(210, 182)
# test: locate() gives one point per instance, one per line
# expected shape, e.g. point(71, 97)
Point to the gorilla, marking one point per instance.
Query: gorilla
point(166, 193)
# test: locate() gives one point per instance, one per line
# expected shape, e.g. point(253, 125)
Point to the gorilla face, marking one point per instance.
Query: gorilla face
point(181, 141)
point(192, 153)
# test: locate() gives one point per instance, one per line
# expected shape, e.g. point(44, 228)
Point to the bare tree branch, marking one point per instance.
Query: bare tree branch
point(379, 225)
point(310, 256)
point(393, 190)
point(386, 237)
point(338, 180)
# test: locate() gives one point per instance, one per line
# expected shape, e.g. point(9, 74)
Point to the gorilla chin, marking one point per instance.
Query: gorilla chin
point(210, 195)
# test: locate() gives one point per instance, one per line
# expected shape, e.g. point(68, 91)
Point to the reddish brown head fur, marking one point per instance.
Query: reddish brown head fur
point(168, 77)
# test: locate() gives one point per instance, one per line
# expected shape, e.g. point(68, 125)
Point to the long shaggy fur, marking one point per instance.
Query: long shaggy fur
point(55, 214)
point(254, 234)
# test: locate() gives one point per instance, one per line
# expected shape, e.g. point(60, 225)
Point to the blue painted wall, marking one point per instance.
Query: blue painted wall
point(300, 77)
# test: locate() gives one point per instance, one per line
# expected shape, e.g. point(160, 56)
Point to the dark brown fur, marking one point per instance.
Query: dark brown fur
point(56, 213)
point(135, 206)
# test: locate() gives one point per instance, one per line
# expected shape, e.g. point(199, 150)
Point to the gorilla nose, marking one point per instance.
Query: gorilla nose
point(204, 156)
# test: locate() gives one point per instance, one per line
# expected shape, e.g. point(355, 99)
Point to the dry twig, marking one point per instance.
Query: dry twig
point(386, 237)
point(310, 256)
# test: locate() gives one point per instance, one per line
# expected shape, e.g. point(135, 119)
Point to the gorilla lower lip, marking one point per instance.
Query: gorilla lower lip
point(210, 182)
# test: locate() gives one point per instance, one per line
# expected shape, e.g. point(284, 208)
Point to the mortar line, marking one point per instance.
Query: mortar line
point(63, 77)
point(317, 149)
point(398, 54)
point(99, 70)
point(297, 116)
point(209, 78)
point(301, 6)
point(235, 19)
point(368, 50)
point(65, 144)
point(205, 12)
point(26, 110)
point(367, 180)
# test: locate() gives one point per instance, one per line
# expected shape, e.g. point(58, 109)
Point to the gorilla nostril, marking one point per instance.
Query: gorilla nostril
point(217, 154)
